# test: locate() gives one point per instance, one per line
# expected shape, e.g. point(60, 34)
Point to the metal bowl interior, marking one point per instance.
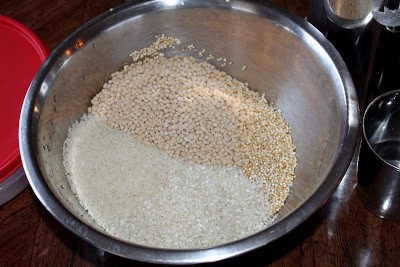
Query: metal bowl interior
point(286, 58)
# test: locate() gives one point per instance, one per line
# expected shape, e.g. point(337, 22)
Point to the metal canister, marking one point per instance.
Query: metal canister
point(365, 33)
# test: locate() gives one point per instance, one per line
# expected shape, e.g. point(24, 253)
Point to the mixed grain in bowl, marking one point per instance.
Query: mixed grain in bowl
point(280, 55)
point(184, 155)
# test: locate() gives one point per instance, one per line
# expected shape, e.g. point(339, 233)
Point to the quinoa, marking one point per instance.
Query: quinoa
point(202, 128)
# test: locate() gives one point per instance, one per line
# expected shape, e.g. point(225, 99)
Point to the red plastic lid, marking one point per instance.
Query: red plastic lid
point(21, 54)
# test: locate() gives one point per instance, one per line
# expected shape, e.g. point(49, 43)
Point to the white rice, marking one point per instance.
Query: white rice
point(141, 194)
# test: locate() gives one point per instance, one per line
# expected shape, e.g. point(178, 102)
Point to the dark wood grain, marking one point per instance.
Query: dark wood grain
point(341, 233)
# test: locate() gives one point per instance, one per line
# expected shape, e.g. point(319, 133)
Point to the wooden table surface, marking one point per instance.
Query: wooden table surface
point(340, 233)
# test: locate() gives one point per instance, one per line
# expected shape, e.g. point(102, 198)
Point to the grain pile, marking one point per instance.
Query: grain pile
point(141, 194)
point(196, 127)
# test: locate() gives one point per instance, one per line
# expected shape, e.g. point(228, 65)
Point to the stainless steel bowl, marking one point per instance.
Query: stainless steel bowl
point(286, 58)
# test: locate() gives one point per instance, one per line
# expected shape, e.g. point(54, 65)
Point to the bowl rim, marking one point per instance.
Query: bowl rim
point(193, 256)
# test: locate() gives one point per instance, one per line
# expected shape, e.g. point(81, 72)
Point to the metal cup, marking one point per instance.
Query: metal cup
point(379, 160)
